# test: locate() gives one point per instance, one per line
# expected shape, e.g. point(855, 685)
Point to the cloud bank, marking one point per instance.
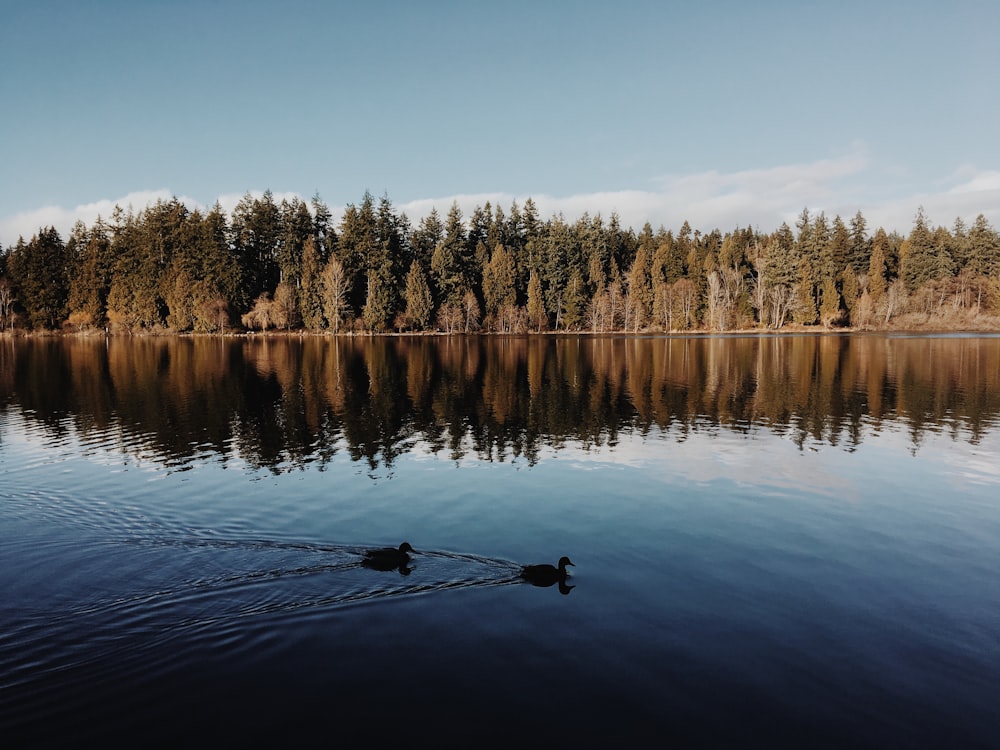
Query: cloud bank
point(764, 198)
point(760, 198)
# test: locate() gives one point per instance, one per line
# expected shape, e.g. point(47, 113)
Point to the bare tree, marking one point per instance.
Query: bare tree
point(779, 298)
point(6, 304)
point(449, 317)
point(894, 299)
point(664, 305)
point(286, 310)
point(716, 301)
point(334, 285)
point(262, 314)
point(685, 292)
point(511, 319)
point(470, 309)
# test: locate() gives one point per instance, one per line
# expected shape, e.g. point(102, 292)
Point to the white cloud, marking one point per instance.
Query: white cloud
point(762, 198)
point(27, 224)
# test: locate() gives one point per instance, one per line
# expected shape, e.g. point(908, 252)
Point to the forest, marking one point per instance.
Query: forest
point(270, 266)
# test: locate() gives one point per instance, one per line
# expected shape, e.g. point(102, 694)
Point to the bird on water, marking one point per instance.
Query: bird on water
point(545, 574)
point(388, 558)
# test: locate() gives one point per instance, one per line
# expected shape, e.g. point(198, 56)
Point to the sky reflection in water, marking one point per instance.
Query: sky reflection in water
point(782, 538)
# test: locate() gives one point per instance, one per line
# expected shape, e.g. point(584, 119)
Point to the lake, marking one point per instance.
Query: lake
point(777, 540)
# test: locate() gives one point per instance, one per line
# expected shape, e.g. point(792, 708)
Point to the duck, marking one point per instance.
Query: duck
point(547, 575)
point(388, 558)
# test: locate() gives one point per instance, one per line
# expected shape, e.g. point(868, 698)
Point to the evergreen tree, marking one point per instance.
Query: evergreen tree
point(877, 280)
point(803, 300)
point(837, 251)
point(390, 257)
point(218, 272)
point(356, 246)
point(142, 247)
point(984, 248)
point(860, 252)
point(574, 302)
point(594, 252)
point(498, 281)
point(323, 233)
point(426, 237)
point(448, 264)
point(497, 234)
point(830, 308)
point(926, 256)
point(640, 281)
point(851, 292)
point(559, 263)
point(537, 317)
point(378, 309)
point(90, 275)
point(668, 265)
point(804, 237)
point(296, 228)
point(311, 290)
point(515, 239)
point(38, 273)
point(257, 232)
point(958, 245)
point(776, 278)
point(419, 304)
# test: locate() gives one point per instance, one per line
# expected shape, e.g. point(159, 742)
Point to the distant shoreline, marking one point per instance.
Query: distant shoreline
point(988, 325)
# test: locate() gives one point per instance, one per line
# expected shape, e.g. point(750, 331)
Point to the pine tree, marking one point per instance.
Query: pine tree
point(419, 304)
point(448, 264)
point(860, 244)
point(90, 275)
point(378, 309)
point(256, 231)
point(220, 266)
point(984, 248)
point(537, 317)
point(877, 280)
point(311, 290)
point(296, 228)
point(38, 272)
point(837, 250)
point(926, 255)
point(356, 245)
point(574, 302)
point(851, 292)
point(426, 237)
point(498, 281)
point(803, 299)
point(323, 234)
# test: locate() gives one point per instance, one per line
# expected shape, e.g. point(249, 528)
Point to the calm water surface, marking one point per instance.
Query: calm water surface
point(784, 541)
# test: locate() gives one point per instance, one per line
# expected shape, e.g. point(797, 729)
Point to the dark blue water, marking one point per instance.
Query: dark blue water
point(739, 584)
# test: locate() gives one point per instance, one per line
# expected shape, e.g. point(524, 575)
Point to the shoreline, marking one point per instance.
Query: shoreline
point(986, 327)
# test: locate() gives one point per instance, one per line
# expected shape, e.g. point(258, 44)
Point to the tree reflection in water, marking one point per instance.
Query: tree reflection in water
point(282, 402)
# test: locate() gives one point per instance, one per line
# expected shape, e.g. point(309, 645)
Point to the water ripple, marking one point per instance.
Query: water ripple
point(143, 633)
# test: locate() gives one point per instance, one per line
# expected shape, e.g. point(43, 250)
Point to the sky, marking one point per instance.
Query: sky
point(722, 113)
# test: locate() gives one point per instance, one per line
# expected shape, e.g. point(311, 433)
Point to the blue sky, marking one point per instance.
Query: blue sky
point(721, 113)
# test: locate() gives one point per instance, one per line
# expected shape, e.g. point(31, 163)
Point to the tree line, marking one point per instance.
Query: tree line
point(288, 265)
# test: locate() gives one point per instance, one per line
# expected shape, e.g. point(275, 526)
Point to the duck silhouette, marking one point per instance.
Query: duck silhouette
point(548, 575)
point(389, 558)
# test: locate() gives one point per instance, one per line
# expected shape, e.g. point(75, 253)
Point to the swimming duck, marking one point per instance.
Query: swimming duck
point(387, 558)
point(545, 574)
